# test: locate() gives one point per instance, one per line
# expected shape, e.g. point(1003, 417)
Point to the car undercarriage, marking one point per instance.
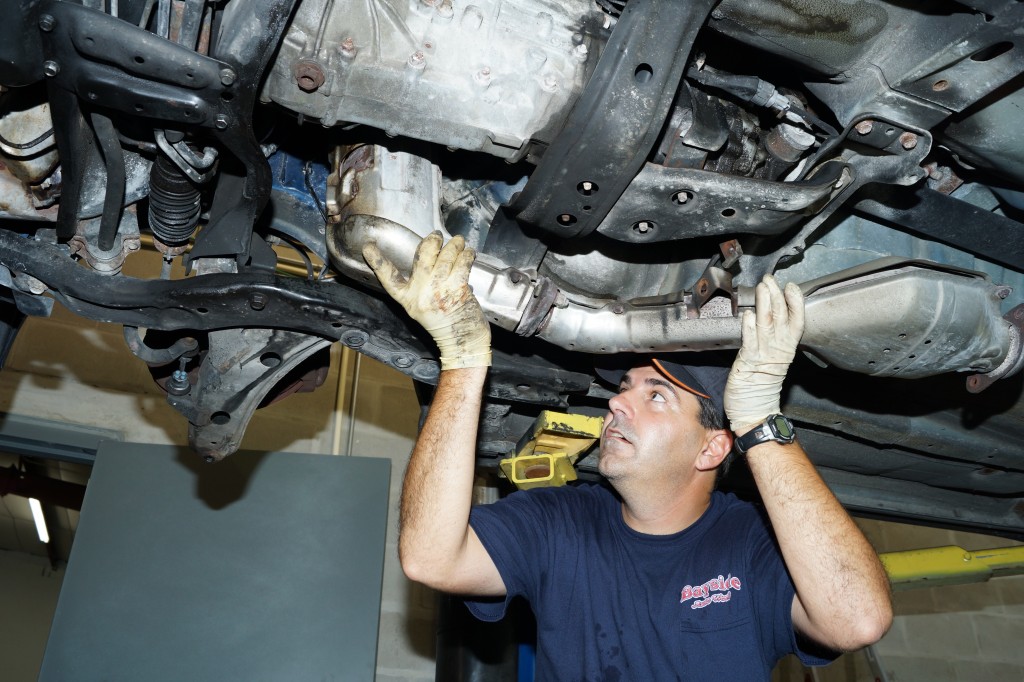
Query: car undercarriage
point(627, 171)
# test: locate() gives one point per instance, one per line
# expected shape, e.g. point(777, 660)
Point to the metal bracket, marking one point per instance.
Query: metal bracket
point(974, 65)
point(545, 294)
point(617, 121)
point(1014, 361)
point(662, 204)
point(105, 60)
point(904, 148)
point(710, 282)
point(240, 369)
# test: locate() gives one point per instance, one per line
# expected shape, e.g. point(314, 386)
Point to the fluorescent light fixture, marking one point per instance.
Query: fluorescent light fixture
point(37, 515)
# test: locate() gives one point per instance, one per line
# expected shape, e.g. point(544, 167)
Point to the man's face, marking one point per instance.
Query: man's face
point(652, 428)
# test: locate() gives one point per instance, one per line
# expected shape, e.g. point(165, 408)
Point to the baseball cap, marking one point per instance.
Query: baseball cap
point(702, 374)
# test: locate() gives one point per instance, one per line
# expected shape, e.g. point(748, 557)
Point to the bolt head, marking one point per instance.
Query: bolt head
point(864, 127)
point(47, 22)
point(258, 301)
point(227, 76)
point(221, 122)
point(908, 140)
point(51, 68)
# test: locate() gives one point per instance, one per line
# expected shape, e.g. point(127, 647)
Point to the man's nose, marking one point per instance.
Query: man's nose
point(620, 402)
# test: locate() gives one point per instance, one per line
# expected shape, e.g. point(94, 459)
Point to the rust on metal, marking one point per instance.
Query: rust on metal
point(309, 75)
point(976, 383)
point(731, 252)
point(943, 179)
point(348, 48)
point(343, 182)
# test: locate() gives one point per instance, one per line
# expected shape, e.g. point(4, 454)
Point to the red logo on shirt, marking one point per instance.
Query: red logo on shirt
point(715, 590)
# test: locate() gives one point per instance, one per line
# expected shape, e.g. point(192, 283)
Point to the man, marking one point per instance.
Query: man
point(668, 579)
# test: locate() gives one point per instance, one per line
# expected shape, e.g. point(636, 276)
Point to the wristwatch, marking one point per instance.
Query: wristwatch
point(775, 427)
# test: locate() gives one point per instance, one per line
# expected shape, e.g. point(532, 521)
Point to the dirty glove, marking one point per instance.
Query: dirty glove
point(754, 387)
point(437, 295)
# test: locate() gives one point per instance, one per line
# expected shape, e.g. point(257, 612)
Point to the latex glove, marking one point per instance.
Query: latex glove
point(770, 338)
point(437, 295)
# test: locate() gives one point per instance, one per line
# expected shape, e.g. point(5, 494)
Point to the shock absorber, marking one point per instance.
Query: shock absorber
point(174, 204)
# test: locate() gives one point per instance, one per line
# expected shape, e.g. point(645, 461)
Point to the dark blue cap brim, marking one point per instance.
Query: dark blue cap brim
point(706, 379)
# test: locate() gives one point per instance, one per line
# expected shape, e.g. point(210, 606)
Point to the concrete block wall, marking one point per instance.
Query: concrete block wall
point(956, 633)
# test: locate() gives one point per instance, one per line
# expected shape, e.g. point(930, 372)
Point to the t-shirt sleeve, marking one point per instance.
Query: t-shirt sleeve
point(774, 601)
point(521, 533)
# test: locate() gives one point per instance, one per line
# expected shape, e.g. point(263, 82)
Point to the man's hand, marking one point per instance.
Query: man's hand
point(437, 295)
point(769, 344)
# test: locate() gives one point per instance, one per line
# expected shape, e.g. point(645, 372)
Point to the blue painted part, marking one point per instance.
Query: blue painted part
point(527, 662)
point(293, 211)
point(288, 178)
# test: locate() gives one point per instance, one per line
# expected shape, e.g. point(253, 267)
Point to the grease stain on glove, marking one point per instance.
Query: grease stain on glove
point(437, 295)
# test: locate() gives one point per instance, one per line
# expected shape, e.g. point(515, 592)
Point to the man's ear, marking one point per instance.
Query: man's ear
point(716, 448)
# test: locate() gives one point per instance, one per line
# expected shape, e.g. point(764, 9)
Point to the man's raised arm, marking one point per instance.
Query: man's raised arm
point(842, 591)
point(436, 545)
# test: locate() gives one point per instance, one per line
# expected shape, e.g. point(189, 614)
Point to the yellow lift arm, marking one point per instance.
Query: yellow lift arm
point(546, 453)
point(950, 565)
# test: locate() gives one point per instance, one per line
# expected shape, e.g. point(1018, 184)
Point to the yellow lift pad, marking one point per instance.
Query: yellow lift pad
point(950, 565)
point(546, 454)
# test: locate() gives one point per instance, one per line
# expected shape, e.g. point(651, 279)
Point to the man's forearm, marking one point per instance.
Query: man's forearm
point(437, 491)
point(840, 583)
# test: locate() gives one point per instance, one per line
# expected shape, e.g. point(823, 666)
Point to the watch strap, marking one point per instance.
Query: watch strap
point(764, 432)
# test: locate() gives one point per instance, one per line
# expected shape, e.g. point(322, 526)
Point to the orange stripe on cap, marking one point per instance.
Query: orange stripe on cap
point(668, 375)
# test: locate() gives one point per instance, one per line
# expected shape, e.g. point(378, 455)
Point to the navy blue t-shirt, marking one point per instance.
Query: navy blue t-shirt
point(711, 602)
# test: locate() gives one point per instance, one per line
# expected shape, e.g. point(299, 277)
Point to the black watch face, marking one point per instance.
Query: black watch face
point(782, 427)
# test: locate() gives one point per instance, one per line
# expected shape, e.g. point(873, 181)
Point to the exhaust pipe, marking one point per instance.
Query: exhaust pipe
point(891, 317)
